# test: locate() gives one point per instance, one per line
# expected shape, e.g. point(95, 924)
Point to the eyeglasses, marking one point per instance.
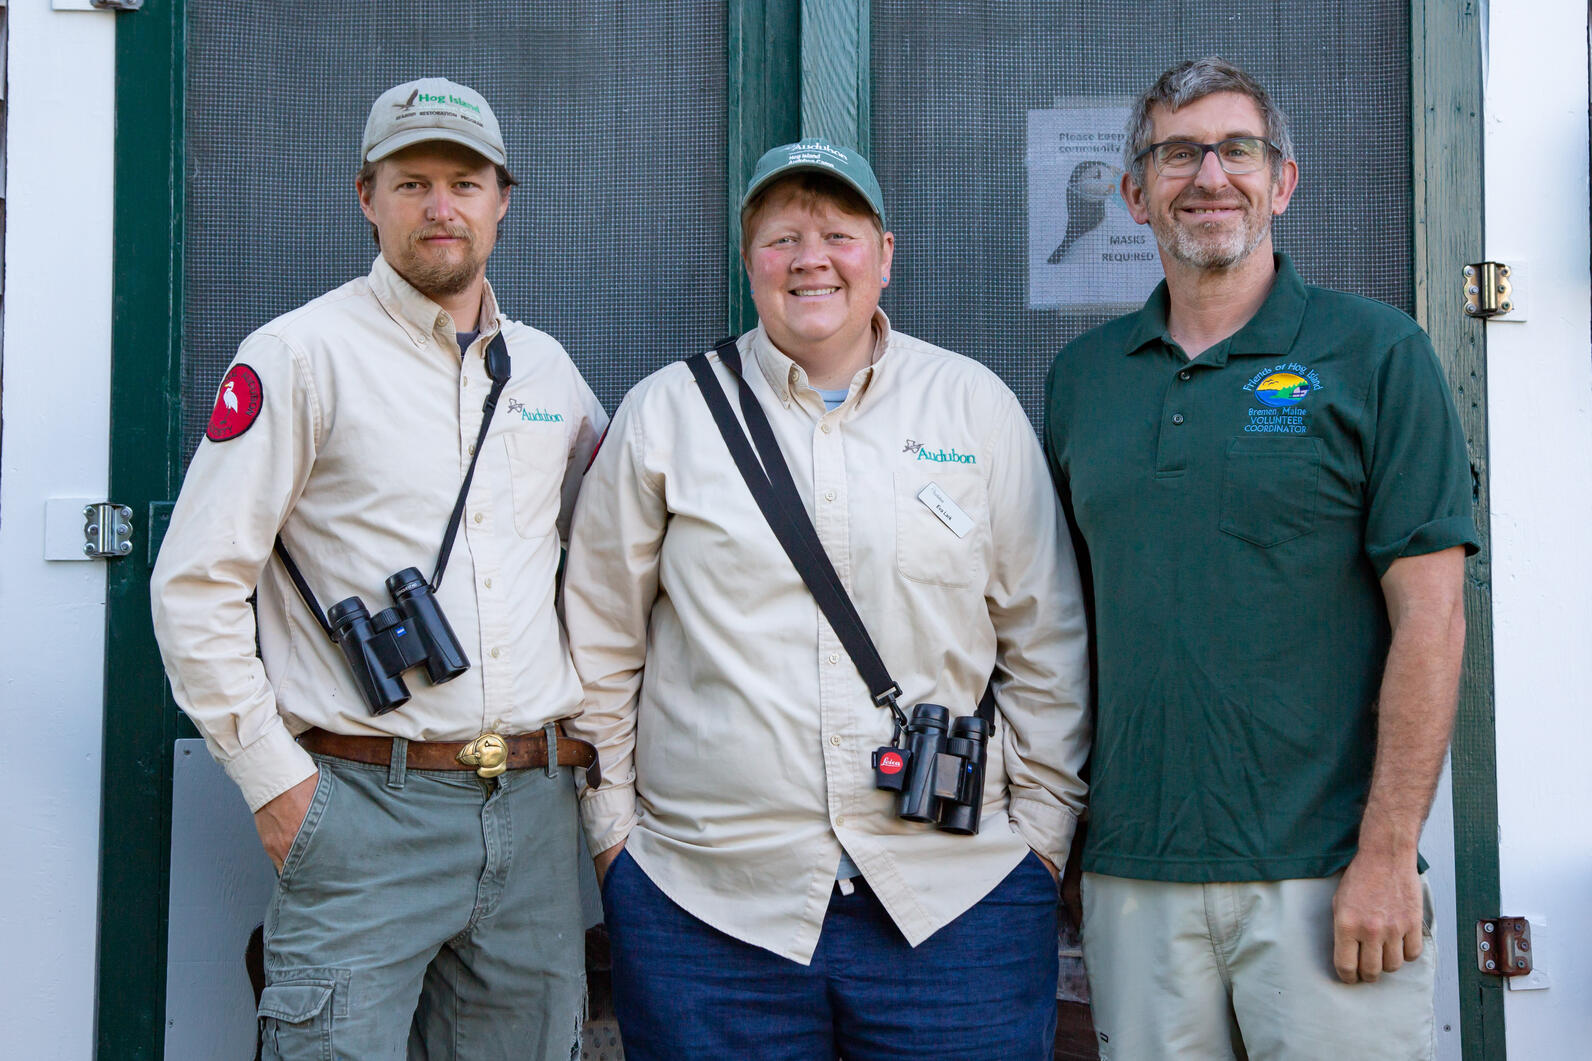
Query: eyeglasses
point(1183, 158)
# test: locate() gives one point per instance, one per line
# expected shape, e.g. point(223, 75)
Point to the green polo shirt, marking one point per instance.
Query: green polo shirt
point(1237, 512)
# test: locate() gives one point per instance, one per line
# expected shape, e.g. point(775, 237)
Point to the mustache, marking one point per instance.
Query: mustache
point(432, 231)
point(1196, 198)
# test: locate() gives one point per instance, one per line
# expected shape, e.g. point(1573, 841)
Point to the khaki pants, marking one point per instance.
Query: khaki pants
point(429, 915)
point(1214, 972)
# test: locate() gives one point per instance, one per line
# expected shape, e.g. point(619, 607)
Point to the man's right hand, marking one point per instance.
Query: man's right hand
point(279, 820)
point(604, 859)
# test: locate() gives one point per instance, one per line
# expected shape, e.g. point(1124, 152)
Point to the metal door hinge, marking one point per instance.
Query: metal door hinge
point(1503, 946)
point(107, 530)
point(1487, 289)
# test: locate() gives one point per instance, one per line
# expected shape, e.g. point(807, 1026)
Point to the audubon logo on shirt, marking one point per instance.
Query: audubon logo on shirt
point(537, 415)
point(1281, 391)
point(924, 452)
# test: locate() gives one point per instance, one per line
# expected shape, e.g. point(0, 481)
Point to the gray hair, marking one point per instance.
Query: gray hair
point(1194, 80)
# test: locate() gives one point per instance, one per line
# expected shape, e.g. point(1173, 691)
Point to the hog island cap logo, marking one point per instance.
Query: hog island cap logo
point(432, 108)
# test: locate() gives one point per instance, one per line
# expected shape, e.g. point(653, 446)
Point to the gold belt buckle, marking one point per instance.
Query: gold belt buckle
point(488, 753)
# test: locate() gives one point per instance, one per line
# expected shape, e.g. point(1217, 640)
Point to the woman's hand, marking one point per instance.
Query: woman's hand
point(603, 859)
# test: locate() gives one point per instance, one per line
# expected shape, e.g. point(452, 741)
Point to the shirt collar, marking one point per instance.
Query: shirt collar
point(785, 376)
point(1271, 330)
point(419, 316)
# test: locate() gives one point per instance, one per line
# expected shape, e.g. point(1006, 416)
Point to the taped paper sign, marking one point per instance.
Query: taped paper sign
point(1085, 253)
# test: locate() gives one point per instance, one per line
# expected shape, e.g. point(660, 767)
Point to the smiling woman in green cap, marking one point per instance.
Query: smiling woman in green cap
point(788, 871)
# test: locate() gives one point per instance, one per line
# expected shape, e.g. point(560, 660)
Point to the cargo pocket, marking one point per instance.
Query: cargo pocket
point(1269, 489)
point(536, 477)
point(927, 550)
point(296, 1016)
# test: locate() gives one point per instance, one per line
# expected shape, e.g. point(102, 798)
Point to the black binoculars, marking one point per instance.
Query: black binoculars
point(940, 776)
point(411, 633)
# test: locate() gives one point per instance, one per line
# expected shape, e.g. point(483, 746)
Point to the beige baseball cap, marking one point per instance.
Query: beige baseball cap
point(432, 108)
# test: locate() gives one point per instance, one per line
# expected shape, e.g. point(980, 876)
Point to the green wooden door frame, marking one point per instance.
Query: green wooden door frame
point(1446, 112)
point(796, 68)
point(146, 372)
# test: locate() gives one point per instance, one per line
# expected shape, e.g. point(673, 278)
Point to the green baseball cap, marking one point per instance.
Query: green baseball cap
point(822, 157)
point(432, 108)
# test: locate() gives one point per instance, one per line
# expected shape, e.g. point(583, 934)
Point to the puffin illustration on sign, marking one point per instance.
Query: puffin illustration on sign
point(1085, 253)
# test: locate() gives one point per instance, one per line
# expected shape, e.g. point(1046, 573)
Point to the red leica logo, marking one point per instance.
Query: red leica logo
point(891, 763)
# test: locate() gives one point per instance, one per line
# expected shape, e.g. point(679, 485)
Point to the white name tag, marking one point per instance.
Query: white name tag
point(948, 511)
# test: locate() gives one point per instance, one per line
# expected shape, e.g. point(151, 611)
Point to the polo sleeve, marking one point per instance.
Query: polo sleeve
point(235, 497)
point(610, 583)
point(1418, 478)
point(1041, 678)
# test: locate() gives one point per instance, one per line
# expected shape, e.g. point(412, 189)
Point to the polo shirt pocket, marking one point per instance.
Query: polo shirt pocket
point(927, 549)
point(1270, 488)
point(536, 473)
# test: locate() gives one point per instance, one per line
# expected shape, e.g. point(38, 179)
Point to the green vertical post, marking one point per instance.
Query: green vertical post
point(1446, 105)
point(837, 71)
point(140, 722)
point(764, 90)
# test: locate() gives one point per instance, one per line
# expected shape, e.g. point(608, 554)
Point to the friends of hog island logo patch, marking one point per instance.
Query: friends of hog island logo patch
point(1281, 392)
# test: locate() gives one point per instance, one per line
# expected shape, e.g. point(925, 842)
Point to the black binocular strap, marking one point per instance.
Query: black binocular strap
point(769, 479)
point(498, 368)
point(774, 490)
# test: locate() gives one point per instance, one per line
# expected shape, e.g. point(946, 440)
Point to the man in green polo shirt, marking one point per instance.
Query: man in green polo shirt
point(1271, 493)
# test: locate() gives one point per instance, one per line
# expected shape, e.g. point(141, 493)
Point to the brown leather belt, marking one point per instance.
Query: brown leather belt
point(526, 751)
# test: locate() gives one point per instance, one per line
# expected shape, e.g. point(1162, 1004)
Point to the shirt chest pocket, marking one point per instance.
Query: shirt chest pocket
point(928, 549)
point(536, 475)
point(1270, 489)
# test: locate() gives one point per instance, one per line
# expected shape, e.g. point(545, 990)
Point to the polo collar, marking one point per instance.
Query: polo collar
point(419, 316)
point(1272, 330)
point(785, 376)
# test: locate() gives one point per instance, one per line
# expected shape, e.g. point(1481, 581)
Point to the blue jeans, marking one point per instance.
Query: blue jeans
point(983, 986)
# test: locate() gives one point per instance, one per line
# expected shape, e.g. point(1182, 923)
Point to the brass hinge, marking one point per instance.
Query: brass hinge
point(1503, 946)
point(1487, 289)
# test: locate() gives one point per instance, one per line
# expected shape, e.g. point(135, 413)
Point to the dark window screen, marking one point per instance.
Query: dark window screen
point(953, 88)
point(614, 118)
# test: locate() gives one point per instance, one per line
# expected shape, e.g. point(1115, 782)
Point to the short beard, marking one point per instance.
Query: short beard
point(441, 278)
point(1206, 253)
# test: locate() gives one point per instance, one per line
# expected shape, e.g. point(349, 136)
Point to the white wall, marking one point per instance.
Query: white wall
point(56, 401)
point(1540, 408)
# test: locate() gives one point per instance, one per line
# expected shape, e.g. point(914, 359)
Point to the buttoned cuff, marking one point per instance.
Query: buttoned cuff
point(608, 815)
point(1046, 828)
point(269, 767)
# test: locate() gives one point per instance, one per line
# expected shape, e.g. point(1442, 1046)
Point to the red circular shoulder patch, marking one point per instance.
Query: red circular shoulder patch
point(237, 404)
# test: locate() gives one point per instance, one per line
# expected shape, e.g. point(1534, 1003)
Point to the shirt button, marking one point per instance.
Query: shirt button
point(488, 583)
point(478, 517)
point(465, 382)
point(829, 495)
point(1185, 375)
point(472, 449)
point(424, 340)
point(834, 657)
point(840, 819)
point(494, 653)
point(1177, 418)
point(835, 740)
point(824, 428)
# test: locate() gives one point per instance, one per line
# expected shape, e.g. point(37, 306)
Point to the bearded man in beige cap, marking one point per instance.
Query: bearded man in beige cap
point(424, 833)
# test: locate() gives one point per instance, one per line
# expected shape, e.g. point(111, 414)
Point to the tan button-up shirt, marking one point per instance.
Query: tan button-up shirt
point(735, 732)
point(368, 421)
